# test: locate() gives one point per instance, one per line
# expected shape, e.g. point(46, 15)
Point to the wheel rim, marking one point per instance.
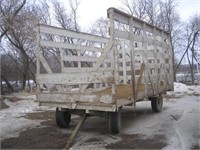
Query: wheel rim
point(159, 103)
point(115, 122)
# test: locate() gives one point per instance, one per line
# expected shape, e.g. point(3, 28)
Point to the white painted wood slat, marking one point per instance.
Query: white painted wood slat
point(79, 58)
point(73, 34)
point(69, 46)
point(75, 78)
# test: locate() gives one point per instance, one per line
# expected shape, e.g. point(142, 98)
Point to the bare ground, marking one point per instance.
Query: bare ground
point(134, 141)
point(10, 98)
point(2, 104)
point(49, 136)
point(37, 138)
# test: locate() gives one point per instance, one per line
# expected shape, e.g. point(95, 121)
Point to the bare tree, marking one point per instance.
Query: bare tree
point(43, 12)
point(66, 18)
point(74, 4)
point(18, 20)
point(21, 37)
point(9, 12)
point(9, 9)
point(100, 27)
point(136, 8)
point(152, 11)
point(171, 21)
point(192, 36)
point(7, 64)
point(61, 16)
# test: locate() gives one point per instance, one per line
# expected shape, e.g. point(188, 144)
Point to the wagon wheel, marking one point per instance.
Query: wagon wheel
point(63, 118)
point(156, 103)
point(115, 122)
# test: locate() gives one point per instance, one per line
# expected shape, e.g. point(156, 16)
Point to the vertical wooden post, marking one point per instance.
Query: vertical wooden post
point(132, 59)
point(145, 56)
point(171, 62)
point(61, 56)
point(37, 56)
point(124, 63)
point(38, 49)
point(113, 57)
point(79, 62)
point(61, 59)
point(155, 62)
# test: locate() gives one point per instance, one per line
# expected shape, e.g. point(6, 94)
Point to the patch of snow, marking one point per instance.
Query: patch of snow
point(28, 97)
point(11, 119)
point(149, 123)
point(179, 120)
point(180, 87)
point(181, 90)
point(186, 130)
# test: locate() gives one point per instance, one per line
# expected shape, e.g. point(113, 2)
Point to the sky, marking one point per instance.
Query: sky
point(90, 10)
point(188, 7)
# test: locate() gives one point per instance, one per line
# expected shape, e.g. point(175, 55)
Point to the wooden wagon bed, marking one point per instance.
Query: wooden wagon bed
point(104, 73)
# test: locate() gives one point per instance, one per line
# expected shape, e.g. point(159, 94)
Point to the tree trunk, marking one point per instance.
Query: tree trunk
point(7, 83)
point(192, 69)
point(2, 92)
point(23, 81)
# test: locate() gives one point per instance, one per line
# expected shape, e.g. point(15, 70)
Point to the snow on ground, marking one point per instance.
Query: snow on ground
point(12, 121)
point(186, 130)
point(179, 120)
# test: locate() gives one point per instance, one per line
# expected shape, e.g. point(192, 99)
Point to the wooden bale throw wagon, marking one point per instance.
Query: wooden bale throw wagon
point(99, 75)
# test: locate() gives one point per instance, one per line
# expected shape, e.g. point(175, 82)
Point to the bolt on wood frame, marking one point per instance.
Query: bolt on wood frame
point(103, 73)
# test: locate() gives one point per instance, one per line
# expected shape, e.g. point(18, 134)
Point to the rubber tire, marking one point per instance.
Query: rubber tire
point(63, 118)
point(115, 122)
point(157, 103)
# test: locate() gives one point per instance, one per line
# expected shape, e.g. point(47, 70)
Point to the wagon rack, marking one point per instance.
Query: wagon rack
point(99, 75)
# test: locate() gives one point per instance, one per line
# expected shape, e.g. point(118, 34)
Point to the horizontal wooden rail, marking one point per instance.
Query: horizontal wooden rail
point(69, 33)
point(53, 44)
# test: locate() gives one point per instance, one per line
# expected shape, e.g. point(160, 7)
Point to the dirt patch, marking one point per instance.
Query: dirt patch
point(176, 96)
point(196, 147)
point(194, 94)
point(2, 104)
point(92, 140)
point(49, 136)
point(47, 115)
point(37, 138)
point(135, 141)
point(13, 98)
